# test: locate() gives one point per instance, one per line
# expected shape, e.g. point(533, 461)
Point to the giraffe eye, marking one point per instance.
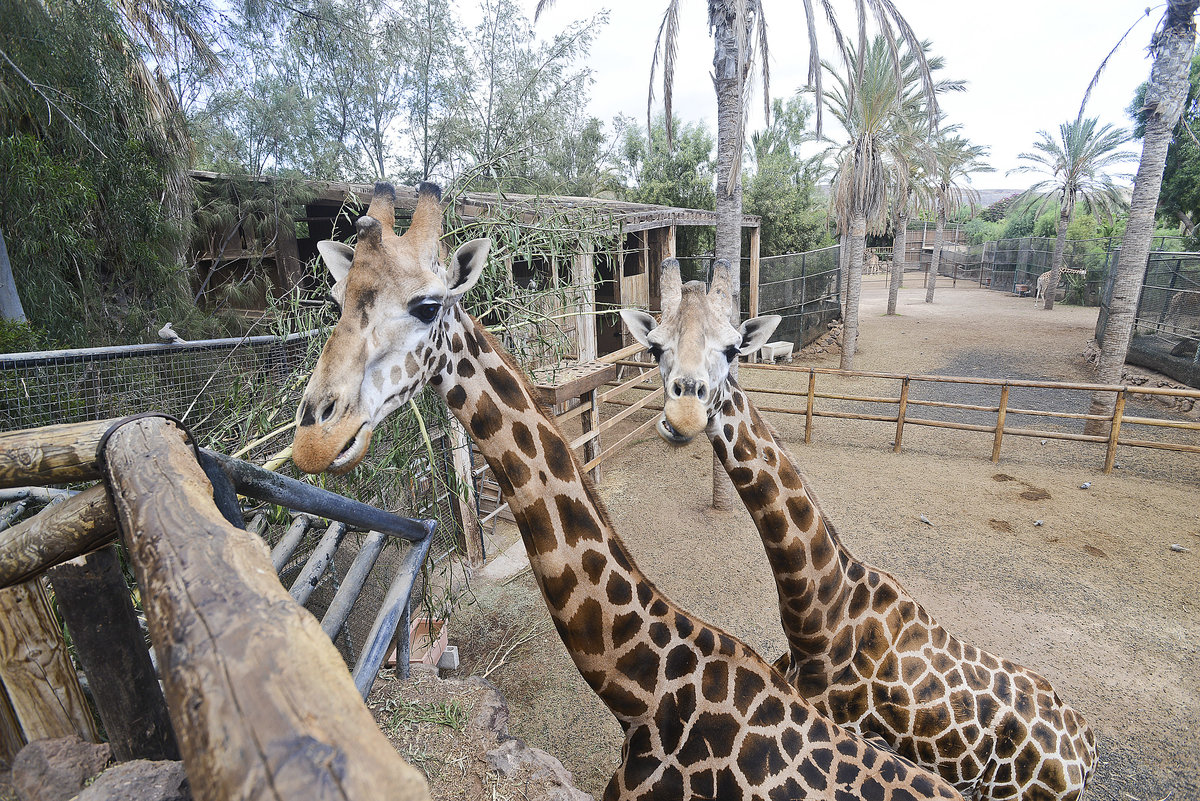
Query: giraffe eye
point(655, 351)
point(731, 353)
point(426, 312)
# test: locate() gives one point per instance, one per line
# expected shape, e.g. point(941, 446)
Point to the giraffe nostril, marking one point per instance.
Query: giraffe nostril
point(677, 388)
point(701, 391)
point(326, 411)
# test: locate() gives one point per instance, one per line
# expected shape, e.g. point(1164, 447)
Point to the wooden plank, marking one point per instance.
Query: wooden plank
point(51, 455)
point(60, 532)
point(903, 409)
point(36, 669)
point(1114, 433)
point(260, 699)
point(591, 425)
point(11, 738)
point(96, 607)
point(1000, 414)
point(573, 381)
point(808, 410)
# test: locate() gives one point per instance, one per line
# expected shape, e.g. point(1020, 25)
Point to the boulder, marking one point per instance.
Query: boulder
point(140, 779)
point(56, 770)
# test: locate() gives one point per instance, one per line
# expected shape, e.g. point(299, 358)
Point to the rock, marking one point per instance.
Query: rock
point(1180, 549)
point(514, 756)
point(56, 770)
point(926, 520)
point(1085, 485)
point(140, 779)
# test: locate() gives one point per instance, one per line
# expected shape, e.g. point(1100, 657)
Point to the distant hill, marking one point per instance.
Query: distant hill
point(989, 196)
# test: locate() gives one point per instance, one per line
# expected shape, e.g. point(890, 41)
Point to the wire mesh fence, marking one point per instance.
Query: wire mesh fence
point(802, 288)
point(233, 393)
point(1166, 326)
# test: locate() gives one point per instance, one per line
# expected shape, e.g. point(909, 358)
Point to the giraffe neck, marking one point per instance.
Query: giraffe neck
point(597, 597)
point(812, 568)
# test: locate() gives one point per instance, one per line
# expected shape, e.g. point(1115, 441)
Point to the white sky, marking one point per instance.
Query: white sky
point(1027, 62)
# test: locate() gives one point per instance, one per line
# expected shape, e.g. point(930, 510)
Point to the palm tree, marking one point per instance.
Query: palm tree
point(739, 32)
point(1166, 93)
point(911, 163)
point(1076, 162)
point(954, 159)
point(866, 102)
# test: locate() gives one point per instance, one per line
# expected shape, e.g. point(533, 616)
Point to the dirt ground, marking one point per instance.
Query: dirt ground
point(1093, 598)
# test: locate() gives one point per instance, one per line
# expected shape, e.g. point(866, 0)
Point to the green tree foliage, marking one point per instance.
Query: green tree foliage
point(681, 176)
point(780, 186)
point(92, 154)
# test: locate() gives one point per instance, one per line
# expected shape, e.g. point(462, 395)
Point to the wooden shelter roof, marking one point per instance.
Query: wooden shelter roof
point(472, 205)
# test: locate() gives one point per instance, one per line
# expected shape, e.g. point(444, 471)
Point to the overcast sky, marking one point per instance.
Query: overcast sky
point(1027, 62)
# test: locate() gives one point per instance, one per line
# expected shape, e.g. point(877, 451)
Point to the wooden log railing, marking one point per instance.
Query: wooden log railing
point(260, 701)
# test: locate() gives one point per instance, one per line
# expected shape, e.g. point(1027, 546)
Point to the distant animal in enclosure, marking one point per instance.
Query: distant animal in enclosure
point(860, 647)
point(704, 716)
point(1044, 281)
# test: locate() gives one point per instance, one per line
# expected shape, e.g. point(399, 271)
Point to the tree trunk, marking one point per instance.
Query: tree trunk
point(843, 269)
point(858, 247)
point(1056, 260)
point(1164, 101)
point(729, 73)
point(899, 252)
point(936, 262)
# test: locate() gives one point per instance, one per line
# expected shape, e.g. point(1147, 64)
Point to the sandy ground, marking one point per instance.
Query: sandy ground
point(1094, 598)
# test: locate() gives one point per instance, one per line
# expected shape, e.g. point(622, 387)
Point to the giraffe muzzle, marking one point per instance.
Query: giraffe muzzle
point(682, 419)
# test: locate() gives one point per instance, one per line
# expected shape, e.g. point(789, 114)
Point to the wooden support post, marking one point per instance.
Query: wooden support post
point(95, 605)
point(1114, 431)
point(808, 411)
point(63, 531)
point(755, 238)
point(465, 508)
point(590, 420)
point(900, 414)
point(36, 669)
point(260, 699)
point(1001, 413)
point(11, 739)
point(51, 455)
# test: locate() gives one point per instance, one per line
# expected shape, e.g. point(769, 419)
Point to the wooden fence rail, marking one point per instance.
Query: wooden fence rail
point(260, 701)
point(904, 403)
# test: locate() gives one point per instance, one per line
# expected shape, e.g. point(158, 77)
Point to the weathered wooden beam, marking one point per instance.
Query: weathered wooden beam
point(11, 738)
point(63, 531)
point(260, 699)
point(36, 669)
point(51, 455)
point(94, 601)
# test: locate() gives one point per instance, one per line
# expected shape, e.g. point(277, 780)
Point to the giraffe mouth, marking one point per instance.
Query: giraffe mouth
point(668, 432)
point(354, 451)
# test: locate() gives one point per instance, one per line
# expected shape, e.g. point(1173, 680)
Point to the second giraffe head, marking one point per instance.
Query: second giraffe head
point(695, 344)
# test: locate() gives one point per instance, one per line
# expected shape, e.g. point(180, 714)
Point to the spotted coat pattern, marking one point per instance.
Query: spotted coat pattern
point(860, 647)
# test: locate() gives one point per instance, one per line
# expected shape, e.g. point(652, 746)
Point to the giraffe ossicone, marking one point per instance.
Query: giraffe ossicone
point(704, 716)
point(860, 648)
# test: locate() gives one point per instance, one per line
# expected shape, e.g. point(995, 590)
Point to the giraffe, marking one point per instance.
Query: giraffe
point(859, 646)
point(704, 717)
point(1043, 280)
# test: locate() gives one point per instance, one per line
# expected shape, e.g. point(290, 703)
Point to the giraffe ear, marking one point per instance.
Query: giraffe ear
point(337, 257)
point(466, 265)
point(756, 331)
point(640, 324)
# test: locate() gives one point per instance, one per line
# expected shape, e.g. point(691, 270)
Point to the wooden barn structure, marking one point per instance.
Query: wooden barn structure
point(613, 262)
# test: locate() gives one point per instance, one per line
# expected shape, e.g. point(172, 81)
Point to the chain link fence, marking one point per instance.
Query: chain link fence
point(1166, 326)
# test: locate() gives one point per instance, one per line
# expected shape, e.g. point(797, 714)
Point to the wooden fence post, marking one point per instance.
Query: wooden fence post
point(1001, 413)
point(260, 699)
point(100, 617)
point(36, 669)
point(808, 412)
point(900, 414)
point(1114, 431)
point(58, 533)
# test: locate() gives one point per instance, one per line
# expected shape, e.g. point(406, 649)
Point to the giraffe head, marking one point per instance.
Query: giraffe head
point(395, 298)
point(694, 344)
